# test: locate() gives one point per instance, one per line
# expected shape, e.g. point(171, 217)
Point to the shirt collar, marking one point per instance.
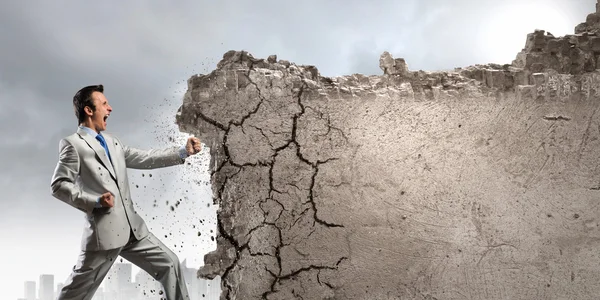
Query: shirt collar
point(90, 131)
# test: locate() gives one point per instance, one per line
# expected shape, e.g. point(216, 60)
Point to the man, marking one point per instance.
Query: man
point(91, 175)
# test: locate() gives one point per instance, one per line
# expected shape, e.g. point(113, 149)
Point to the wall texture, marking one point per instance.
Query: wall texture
point(483, 183)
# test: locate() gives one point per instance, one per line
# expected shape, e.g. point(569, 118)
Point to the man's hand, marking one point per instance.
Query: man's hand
point(107, 200)
point(193, 145)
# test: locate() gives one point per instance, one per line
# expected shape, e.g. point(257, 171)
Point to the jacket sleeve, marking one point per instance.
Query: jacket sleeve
point(153, 158)
point(64, 177)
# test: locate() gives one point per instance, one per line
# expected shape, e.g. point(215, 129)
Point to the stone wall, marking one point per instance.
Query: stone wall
point(482, 183)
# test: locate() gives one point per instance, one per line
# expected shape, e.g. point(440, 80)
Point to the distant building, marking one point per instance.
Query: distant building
point(30, 290)
point(59, 287)
point(46, 287)
point(118, 285)
point(213, 289)
point(200, 289)
point(99, 295)
point(147, 287)
point(194, 285)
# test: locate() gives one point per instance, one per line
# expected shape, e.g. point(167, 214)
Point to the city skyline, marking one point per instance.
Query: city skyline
point(121, 284)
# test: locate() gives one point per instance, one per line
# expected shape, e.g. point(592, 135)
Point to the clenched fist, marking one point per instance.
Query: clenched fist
point(107, 200)
point(193, 145)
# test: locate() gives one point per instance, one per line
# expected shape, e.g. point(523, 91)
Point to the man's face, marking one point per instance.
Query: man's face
point(102, 111)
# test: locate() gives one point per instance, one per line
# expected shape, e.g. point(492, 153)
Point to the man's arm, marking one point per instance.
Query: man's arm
point(153, 158)
point(63, 180)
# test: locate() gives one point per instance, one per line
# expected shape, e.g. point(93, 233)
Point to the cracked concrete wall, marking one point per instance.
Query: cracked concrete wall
point(481, 183)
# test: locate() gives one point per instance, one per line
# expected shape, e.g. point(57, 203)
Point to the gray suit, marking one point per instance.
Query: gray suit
point(83, 173)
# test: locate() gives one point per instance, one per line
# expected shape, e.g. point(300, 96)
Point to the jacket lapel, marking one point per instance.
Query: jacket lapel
point(110, 143)
point(100, 153)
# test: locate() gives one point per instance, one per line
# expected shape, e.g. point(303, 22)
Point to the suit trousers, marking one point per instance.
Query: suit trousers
point(149, 254)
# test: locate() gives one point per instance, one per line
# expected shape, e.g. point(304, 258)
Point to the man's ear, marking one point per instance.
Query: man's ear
point(88, 110)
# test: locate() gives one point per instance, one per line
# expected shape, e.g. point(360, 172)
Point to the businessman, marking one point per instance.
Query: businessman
point(91, 175)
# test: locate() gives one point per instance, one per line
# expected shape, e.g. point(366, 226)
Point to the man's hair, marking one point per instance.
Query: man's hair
point(83, 98)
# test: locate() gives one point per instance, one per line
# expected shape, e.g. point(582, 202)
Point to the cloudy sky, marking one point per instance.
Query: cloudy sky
point(143, 52)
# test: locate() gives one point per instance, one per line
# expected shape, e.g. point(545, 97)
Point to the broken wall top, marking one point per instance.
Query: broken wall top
point(543, 56)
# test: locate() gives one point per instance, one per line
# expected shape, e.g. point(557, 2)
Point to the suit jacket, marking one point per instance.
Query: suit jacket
point(84, 172)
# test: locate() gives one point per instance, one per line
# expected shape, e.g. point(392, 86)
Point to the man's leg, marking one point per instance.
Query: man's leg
point(152, 256)
point(87, 275)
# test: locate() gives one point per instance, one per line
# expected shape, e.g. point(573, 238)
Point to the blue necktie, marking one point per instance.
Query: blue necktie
point(100, 138)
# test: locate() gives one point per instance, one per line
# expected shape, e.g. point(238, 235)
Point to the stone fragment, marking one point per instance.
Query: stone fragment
point(391, 66)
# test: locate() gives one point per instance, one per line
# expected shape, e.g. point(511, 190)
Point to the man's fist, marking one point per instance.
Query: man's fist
point(107, 200)
point(193, 146)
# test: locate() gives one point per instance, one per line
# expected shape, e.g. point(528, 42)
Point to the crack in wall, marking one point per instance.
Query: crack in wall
point(279, 277)
point(293, 274)
point(239, 166)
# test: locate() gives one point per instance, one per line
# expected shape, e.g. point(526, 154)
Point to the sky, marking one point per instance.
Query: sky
point(143, 51)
